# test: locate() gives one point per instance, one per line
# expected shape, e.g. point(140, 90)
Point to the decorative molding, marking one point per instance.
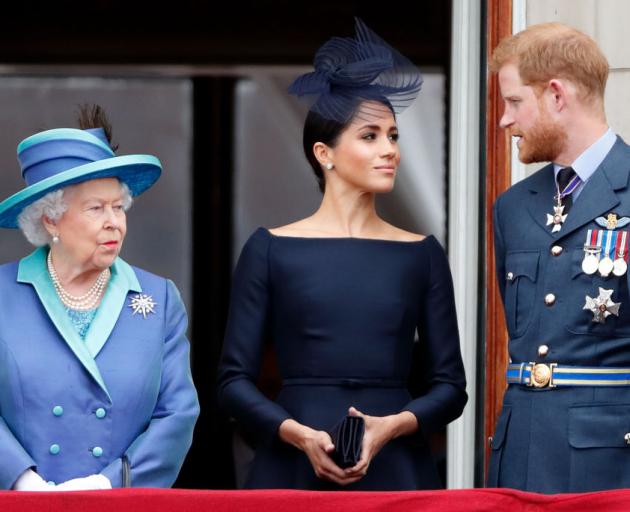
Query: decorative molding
point(463, 216)
point(498, 179)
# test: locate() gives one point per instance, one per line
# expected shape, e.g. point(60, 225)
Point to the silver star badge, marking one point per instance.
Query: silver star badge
point(557, 218)
point(143, 304)
point(602, 306)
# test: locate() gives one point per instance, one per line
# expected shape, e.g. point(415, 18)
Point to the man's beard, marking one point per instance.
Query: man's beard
point(543, 142)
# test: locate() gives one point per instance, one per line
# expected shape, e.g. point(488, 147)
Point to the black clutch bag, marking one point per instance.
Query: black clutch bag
point(347, 436)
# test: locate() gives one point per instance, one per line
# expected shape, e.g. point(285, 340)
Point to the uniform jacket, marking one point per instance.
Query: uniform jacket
point(70, 408)
point(562, 439)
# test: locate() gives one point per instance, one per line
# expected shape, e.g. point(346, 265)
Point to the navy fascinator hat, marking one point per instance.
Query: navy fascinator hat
point(350, 71)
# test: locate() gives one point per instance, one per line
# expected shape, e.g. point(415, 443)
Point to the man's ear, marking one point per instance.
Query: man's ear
point(558, 94)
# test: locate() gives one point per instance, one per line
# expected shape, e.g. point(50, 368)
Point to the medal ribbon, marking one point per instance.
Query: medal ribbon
point(609, 245)
point(622, 249)
point(571, 186)
point(600, 234)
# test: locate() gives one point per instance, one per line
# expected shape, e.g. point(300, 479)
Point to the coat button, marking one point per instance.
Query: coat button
point(626, 438)
point(510, 276)
point(556, 250)
point(54, 449)
point(100, 413)
point(97, 451)
point(543, 350)
point(57, 410)
point(550, 299)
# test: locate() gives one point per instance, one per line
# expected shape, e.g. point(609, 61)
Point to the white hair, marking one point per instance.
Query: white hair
point(53, 206)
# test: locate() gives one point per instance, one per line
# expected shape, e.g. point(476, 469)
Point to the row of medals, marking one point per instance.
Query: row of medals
point(593, 261)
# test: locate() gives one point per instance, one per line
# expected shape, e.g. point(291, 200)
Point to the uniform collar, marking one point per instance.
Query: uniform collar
point(32, 269)
point(588, 162)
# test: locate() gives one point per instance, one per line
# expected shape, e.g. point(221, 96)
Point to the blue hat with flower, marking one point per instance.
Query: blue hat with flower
point(54, 159)
point(349, 71)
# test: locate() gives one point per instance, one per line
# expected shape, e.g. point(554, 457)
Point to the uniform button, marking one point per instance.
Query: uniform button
point(57, 410)
point(626, 438)
point(97, 451)
point(54, 449)
point(543, 350)
point(100, 413)
point(556, 250)
point(510, 276)
point(550, 299)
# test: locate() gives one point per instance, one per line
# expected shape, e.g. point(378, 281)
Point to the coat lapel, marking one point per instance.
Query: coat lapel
point(598, 196)
point(32, 269)
point(122, 281)
point(541, 201)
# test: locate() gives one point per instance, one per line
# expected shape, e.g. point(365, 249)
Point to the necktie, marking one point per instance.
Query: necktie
point(564, 177)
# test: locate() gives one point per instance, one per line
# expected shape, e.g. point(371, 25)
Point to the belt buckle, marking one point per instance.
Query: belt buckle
point(541, 375)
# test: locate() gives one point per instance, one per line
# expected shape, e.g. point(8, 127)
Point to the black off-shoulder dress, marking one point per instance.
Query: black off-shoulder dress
point(342, 313)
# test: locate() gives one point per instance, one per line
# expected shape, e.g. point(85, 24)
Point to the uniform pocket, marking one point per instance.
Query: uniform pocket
point(580, 320)
point(520, 290)
point(498, 441)
point(600, 455)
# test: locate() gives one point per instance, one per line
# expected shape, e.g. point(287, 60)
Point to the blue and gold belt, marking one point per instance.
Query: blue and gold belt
point(541, 375)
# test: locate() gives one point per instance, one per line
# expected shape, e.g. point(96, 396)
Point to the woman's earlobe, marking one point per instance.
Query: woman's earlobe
point(48, 222)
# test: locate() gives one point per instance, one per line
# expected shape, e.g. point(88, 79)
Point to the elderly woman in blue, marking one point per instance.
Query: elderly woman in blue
point(95, 383)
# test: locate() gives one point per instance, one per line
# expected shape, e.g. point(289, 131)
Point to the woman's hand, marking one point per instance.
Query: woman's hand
point(317, 446)
point(379, 430)
point(31, 481)
point(85, 483)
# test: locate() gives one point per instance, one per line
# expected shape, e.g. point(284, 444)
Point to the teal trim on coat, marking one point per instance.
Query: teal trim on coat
point(122, 281)
point(33, 269)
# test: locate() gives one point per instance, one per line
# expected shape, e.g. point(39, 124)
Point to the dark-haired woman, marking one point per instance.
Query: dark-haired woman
point(342, 293)
point(95, 385)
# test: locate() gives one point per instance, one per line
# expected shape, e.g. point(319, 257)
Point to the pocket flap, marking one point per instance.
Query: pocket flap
point(502, 424)
point(522, 264)
point(599, 426)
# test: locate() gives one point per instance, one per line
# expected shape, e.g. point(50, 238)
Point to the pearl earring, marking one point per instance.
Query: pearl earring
point(55, 239)
point(329, 166)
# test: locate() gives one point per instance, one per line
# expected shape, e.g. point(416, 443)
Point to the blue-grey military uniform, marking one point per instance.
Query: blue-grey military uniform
point(558, 437)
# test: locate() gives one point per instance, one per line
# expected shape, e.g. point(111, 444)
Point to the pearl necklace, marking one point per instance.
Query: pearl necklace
point(84, 302)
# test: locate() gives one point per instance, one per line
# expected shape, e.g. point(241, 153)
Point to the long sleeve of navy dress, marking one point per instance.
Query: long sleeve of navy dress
point(342, 314)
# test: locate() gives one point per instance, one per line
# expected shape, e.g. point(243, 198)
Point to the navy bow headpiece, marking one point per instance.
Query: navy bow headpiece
point(350, 71)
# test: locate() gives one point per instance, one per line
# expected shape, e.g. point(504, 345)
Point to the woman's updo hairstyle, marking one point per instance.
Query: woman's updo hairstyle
point(350, 73)
point(317, 128)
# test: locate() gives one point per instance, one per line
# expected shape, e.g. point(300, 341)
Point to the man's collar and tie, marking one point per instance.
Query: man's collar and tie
point(570, 180)
point(567, 182)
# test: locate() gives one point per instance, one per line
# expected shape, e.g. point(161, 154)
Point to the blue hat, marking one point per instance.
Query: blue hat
point(54, 159)
point(349, 71)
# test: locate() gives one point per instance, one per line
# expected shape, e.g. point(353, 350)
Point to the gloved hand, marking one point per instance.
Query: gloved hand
point(31, 481)
point(85, 483)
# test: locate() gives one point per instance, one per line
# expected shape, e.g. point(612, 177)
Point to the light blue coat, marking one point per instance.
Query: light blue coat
point(70, 408)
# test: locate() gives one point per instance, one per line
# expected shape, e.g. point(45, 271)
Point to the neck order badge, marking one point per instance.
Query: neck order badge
point(567, 182)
